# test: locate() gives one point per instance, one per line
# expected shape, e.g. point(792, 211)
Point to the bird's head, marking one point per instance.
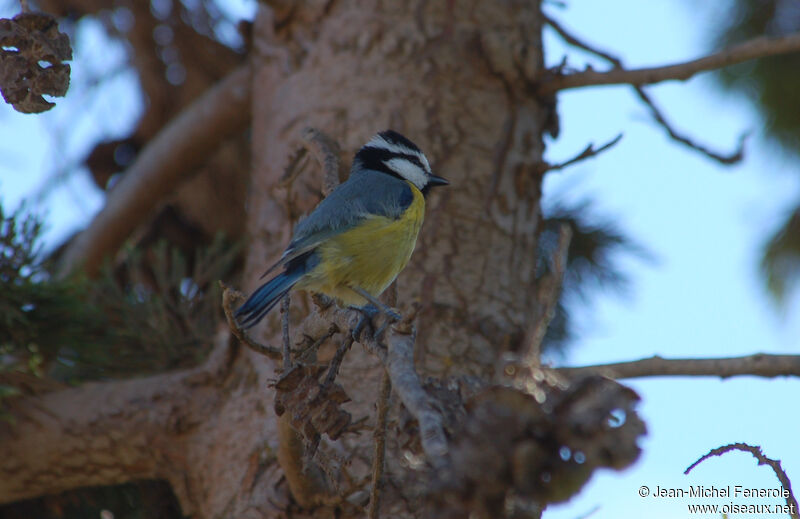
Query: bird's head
point(394, 154)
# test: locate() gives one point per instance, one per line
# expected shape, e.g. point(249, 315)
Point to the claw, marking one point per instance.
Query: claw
point(392, 315)
point(368, 312)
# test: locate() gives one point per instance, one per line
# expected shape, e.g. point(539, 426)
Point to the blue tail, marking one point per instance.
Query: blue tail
point(266, 297)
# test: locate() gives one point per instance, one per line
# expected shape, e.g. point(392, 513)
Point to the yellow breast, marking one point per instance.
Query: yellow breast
point(368, 256)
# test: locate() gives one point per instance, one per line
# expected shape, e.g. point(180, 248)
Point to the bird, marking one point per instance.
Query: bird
point(357, 240)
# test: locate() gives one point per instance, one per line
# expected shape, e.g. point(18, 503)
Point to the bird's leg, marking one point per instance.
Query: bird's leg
point(374, 301)
point(367, 313)
point(375, 307)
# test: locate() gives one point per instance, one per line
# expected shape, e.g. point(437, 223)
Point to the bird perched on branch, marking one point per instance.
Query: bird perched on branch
point(359, 238)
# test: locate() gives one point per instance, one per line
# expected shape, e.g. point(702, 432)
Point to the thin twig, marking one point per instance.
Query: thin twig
point(336, 361)
point(293, 168)
point(775, 465)
point(315, 344)
point(759, 364)
point(169, 159)
point(755, 48)
point(379, 451)
point(547, 295)
point(658, 115)
point(722, 158)
point(589, 152)
point(326, 151)
point(287, 350)
point(304, 478)
point(231, 298)
point(577, 42)
point(398, 359)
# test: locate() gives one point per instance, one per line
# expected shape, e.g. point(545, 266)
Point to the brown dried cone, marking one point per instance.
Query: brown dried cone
point(514, 450)
point(27, 40)
point(314, 409)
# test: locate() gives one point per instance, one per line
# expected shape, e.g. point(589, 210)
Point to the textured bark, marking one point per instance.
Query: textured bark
point(203, 430)
point(452, 77)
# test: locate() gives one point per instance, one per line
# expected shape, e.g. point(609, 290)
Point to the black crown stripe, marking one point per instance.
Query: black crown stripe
point(393, 137)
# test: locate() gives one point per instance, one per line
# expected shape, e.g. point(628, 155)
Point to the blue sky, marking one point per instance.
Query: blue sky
point(703, 223)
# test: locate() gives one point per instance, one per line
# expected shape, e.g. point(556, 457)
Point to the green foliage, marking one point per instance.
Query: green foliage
point(137, 500)
point(780, 262)
point(591, 263)
point(772, 83)
point(157, 311)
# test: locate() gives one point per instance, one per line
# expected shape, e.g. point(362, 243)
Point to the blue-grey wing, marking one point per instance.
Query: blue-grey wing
point(364, 194)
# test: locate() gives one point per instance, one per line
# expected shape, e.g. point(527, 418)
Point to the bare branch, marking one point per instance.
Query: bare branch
point(759, 364)
point(400, 366)
point(326, 151)
point(286, 353)
point(657, 114)
point(398, 359)
point(577, 42)
point(114, 431)
point(753, 49)
point(587, 153)
point(547, 295)
point(169, 159)
point(731, 158)
point(379, 452)
point(305, 481)
point(336, 361)
point(775, 465)
point(231, 298)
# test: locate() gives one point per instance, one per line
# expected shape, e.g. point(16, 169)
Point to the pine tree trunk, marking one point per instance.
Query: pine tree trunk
point(454, 78)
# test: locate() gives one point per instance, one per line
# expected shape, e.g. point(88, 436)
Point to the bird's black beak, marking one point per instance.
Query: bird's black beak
point(433, 180)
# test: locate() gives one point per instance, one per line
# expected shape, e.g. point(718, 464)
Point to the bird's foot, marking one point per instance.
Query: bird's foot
point(368, 314)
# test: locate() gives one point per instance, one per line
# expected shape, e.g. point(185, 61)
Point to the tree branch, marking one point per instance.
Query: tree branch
point(231, 298)
point(405, 381)
point(775, 465)
point(109, 433)
point(398, 359)
point(756, 48)
point(759, 364)
point(547, 295)
point(730, 158)
point(657, 114)
point(326, 151)
point(589, 152)
point(168, 160)
point(379, 450)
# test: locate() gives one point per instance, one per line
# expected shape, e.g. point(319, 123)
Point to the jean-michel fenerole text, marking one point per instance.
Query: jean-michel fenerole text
point(729, 491)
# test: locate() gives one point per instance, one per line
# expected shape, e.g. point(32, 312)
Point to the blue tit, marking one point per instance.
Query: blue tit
point(357, 240)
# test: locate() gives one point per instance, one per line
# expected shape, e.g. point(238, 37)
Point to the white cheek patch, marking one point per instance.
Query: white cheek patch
point(409, 171)
point(424, 160)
